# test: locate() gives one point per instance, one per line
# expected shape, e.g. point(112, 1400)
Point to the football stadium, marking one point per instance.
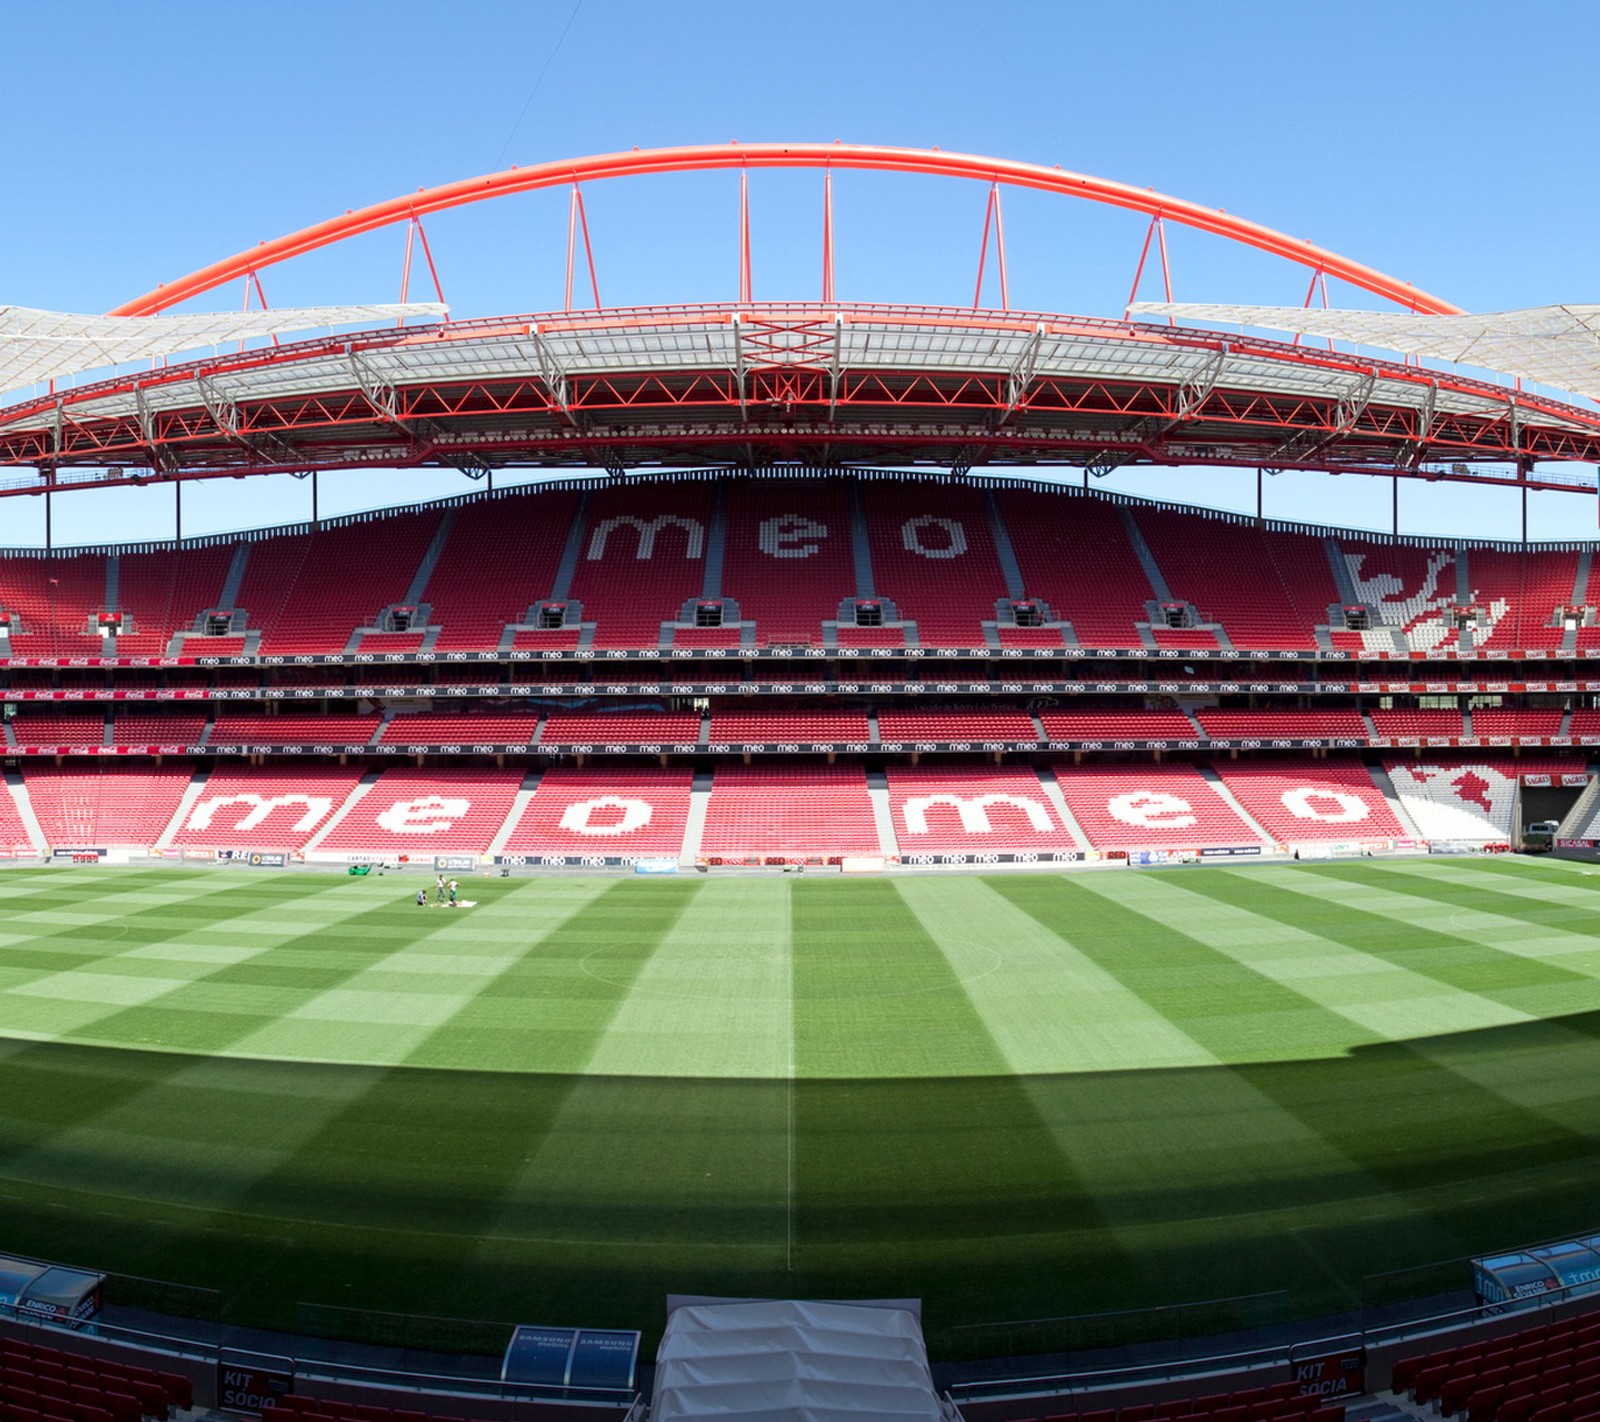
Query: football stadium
point(792, 895)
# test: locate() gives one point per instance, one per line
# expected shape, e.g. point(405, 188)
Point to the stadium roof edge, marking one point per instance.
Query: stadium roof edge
point(800, 382)
point(1558, 346)
point(38, 345)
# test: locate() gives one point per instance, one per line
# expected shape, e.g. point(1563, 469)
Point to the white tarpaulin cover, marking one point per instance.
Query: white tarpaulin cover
point(50, 345)
point(777, 1361)
point(1555, 345)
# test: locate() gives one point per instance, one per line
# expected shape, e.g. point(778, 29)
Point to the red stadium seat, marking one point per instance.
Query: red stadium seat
point(180, 1391)
point(605, 811)
point(500, 559)
point(1265, 589)
point(789, 811)
point(1426, 1385)
point(1462, 1384)
point(267, 807)
point(642, 557)
point(788, 561)
point(968, 809)
point(1150, 806)
point(1075, 555)
point(933, 556)
point(423, 811)
point(1296, 801)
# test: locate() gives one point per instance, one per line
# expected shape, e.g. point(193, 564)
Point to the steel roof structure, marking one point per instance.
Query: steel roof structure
point(803, 384)
point(821, 384)
point(1555, 345)
point(824, 156)
point(36, 346)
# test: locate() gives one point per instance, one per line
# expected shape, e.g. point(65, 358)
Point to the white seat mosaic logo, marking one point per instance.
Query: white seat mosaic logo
point(631, 815)
point(973, 811)
point(313, 809)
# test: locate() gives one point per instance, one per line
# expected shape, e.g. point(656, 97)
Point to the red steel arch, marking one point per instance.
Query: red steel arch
point(703, 158)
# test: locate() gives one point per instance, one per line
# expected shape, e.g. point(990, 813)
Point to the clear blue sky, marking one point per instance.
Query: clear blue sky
point(1450, 144)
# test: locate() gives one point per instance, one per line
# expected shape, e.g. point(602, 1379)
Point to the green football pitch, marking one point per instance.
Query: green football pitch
point(1014, 1096)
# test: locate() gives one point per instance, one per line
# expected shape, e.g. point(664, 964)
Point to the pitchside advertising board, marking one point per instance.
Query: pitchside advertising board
point(1149, 858)
point(590, 1358)
point(252, 1382)
point(1331, 1367)
point(253, 858)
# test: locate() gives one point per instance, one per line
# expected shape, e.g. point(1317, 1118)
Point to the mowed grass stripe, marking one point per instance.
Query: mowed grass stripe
point(278, 1157)
point(1119, 1111)
point(453, 1193)
point(252, 1125)
point(23, 894)
point(1569, 900)
point(1381, 1000)
point(1047, 1004)
point(86, 914)
point(550, 1007)
point(222, 1004)
point(1565, 934)
point(874, 996)
point(386, 1010)
point(689, 1170)
point(888, 1166)
point(1441, 1140)
point(136, 958)
point(1232, 1010)
point(1561, 935)
point(1312, 1154)
point(1548, 1067)
point(1411, 932)
point(1518, 867)
point(1414, 1125)
point(1231, 1131)
point(714, 998)
point(148, 1132)
point(455, 1177)
point(113, 922)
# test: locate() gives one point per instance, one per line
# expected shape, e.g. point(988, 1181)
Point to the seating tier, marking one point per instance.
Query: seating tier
point(790, 811)
point(973, 810)
point(605, 811)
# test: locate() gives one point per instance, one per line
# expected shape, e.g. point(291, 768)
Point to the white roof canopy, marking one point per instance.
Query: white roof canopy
point(774, 1361)
point(50, 345)
point(1555, 345)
